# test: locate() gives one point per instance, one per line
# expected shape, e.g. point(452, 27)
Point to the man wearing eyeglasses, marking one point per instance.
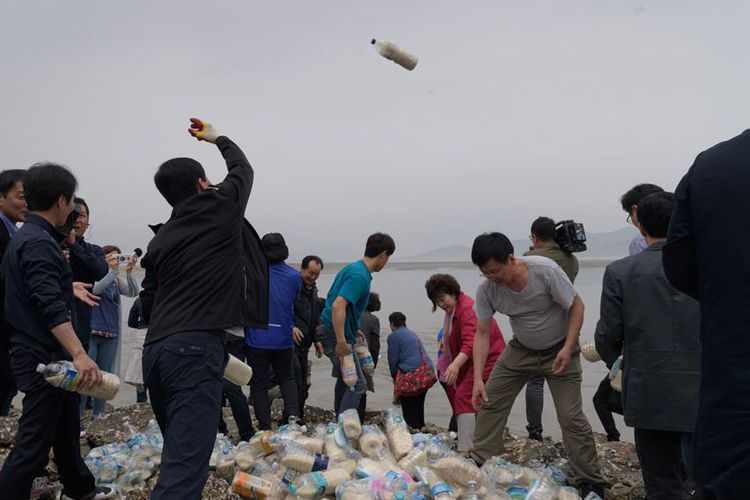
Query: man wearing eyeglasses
point(630, 201)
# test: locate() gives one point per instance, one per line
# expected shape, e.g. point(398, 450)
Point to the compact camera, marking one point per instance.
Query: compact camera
point(571, 236)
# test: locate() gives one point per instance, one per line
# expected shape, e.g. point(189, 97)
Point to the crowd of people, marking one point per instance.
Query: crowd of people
point(672, 317)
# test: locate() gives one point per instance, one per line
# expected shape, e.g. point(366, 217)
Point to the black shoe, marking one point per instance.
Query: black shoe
point(614, 438)
point(536, 436)
point(100, 493)
point(586, 488)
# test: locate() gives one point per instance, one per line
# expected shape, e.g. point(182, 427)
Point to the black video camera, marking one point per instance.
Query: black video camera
point(571, 236)
point(66, 228)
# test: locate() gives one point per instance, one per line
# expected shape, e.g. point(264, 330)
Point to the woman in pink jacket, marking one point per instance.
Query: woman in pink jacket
point(455, 367)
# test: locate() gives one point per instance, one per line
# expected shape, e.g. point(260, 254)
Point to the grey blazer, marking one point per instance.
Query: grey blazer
point(656, 328)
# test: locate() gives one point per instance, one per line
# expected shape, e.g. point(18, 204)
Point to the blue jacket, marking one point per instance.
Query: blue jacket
point(404, 348)
point(38, 288)
point(285, 283)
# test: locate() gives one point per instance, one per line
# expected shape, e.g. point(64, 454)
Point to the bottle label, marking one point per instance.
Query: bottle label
point(320, 483)
point(321, 462)
point(289, 477)
point(70, 382)
point(439, 489)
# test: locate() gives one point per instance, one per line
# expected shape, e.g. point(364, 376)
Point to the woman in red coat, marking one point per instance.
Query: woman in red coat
point(455, 367)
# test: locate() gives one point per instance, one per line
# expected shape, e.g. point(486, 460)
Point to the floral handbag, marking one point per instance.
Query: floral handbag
point(414, 382)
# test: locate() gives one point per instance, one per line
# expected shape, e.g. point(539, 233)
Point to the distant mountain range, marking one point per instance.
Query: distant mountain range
point(611, 245)
point(601, 246)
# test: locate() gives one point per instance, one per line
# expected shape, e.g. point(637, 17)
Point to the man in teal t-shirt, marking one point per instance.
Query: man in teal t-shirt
point(339, 321)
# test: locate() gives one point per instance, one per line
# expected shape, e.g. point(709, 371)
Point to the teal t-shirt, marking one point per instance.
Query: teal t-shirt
point(353, 284)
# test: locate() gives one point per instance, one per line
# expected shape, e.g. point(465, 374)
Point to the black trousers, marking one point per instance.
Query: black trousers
point(8, 387)
point(262, 360)
point(662, 465)
point(413, 410)
point(49, 419)
point(183, 374)
point(602, 399)
point(301, 362)
point(237, 401)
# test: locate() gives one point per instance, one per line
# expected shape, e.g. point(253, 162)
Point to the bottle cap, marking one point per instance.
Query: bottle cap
point(40, 367)
point(292, 488)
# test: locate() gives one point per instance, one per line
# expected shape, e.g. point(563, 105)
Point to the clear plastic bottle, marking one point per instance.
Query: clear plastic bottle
point(393, 52)
point(415, 457)
point(64, 375)
point(301, 460)
point(472, 492)
point(318, 484)
point(398, 434)
point(264, 443)
point(439, 489)
point(458, 470)
point(348, 370)
point(365, 358)
point(332, 443)
point(237, 372)
point(349, 421)
point(250, 486)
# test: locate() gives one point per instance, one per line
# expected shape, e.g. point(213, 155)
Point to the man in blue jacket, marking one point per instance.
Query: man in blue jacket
point(205, 274)
point(39, 301)
point(273, 347)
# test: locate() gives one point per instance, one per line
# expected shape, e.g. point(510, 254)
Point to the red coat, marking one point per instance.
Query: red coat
point(461, 340)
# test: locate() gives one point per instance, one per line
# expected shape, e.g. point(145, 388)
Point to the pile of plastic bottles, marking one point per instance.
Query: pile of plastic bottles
point(127, 465)
point(346, 461)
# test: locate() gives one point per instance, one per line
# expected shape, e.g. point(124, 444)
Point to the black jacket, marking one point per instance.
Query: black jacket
point(4, 326)
point(307, 316)
point(205, 267)
point(38, 287)
point(89, 265)
point(135, 319)
point(656, 327)
point(707, 257)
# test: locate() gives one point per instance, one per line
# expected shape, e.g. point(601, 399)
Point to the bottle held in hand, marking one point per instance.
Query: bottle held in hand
point(64, 375)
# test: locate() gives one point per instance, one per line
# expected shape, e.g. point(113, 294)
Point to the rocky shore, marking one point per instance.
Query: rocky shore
point(618, 461)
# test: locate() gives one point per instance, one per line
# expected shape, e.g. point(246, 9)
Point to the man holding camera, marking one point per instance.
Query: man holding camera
point(544, 244)
point(206, 273)
point(546, 315)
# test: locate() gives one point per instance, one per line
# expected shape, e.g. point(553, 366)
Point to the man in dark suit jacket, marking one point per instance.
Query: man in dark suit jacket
point(12, 211)
point(656, 329)
point(707, 257)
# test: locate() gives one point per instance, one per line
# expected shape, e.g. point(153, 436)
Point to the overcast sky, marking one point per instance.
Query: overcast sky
point(516, 108)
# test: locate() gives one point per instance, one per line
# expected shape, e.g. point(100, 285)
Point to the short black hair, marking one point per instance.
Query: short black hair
point(378, 243)
point(275, 247)
point(373, 302)
point(488, 246)
point(177, 179)
point(397, 319)
point(636, 194)
point(81, 201)
point(44, 183)
point(9, 178)
point(543, 228)
point(311, 258)
point(654, 212)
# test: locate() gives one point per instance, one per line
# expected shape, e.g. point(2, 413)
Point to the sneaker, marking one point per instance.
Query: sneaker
point(99, 493)
point(587, 488)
